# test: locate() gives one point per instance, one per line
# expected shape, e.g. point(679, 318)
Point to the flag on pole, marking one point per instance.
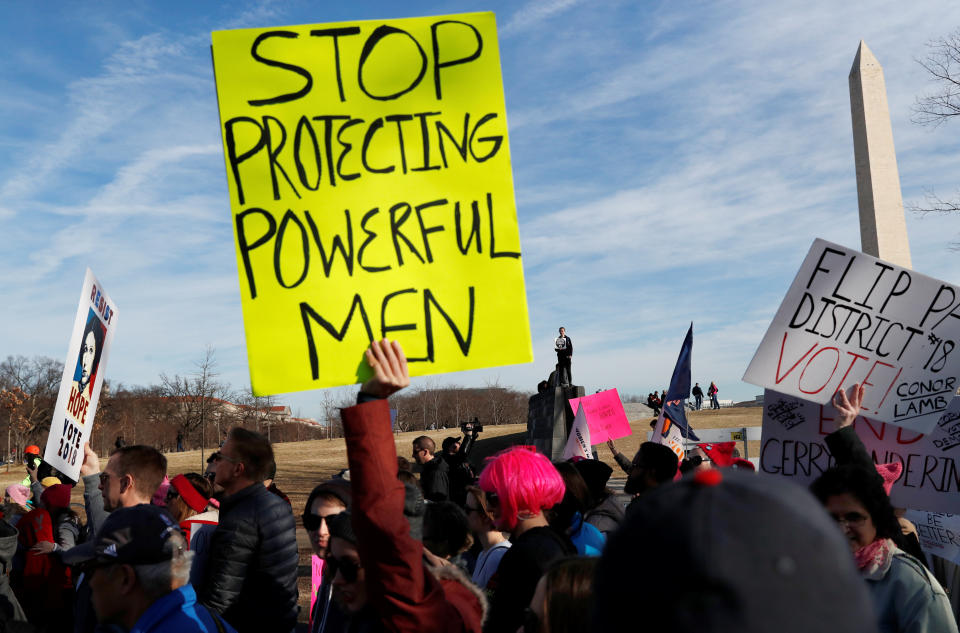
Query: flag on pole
point(578, 444)
point(672, 427)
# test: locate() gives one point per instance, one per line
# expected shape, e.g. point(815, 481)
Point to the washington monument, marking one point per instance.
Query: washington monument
point(883, 229)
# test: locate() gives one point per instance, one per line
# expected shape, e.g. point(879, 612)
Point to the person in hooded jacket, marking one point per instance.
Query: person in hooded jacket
point(605, 510)
point(325, 500)
point(378, 573)
point(567, 516)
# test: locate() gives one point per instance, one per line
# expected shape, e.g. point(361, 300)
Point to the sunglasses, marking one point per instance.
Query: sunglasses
point(348, 568)
point(172, 494)
point(312, 522)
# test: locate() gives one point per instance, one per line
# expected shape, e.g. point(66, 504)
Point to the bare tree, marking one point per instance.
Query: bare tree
point(495, 401)
point(938, 106)
point(33, 384)
point(434, 395)
point(258, 411)
point(943, 65)
point(199, 398)
point(330, 407)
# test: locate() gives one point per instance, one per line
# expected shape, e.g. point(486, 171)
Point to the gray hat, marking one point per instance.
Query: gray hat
point(730, 551)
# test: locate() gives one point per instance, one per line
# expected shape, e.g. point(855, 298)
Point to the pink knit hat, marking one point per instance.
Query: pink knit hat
point(890, 473)
point(19, 494)
point(160, 496)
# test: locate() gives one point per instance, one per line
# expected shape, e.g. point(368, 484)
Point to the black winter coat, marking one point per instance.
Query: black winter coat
point(435, 480)
point(516, 578)
point(251, 577)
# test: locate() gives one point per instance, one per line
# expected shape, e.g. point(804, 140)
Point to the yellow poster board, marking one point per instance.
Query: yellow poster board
point(370, 184)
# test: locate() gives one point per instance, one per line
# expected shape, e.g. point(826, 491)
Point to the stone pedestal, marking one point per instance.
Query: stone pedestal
point(549, 419)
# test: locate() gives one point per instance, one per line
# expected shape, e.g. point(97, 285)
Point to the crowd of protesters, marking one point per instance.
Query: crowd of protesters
point(525, 544)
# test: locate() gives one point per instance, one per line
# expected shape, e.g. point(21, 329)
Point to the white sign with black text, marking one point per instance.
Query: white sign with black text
point(83, 372)
point(852, 318)
point(793, 446)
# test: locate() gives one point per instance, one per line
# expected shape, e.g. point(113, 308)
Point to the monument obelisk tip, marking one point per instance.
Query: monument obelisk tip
point(863, 59)
point(883, 229)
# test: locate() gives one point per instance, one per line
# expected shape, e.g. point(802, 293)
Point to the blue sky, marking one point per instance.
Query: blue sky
point(673, 162)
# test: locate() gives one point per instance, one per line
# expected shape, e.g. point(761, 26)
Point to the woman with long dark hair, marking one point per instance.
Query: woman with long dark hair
point(88, 361)
point(906, 597)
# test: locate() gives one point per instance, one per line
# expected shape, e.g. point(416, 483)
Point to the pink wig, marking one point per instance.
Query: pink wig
point(524, 481)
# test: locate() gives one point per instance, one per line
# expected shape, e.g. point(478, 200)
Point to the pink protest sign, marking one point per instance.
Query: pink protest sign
point(317, 573)
point(605, 415)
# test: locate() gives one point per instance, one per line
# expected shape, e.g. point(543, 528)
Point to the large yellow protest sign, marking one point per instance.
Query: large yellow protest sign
point(370, 184)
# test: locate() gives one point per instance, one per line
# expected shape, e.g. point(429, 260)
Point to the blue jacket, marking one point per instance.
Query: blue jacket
point(907, 598)
point(588, 540)
point(178, 612)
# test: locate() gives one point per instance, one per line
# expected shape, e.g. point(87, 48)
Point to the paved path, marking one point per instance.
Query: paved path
point(636, 411)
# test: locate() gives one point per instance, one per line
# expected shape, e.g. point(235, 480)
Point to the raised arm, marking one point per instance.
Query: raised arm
point(622, 460)
point(403, 593)
point(92, 496)
point(845, 445)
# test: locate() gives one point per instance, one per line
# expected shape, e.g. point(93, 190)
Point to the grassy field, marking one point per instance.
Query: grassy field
point(302, 465)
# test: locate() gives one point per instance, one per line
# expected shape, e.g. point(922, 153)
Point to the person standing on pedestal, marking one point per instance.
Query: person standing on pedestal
point(564, 348)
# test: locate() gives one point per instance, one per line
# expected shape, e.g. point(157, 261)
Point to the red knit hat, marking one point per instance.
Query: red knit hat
point(57, 496)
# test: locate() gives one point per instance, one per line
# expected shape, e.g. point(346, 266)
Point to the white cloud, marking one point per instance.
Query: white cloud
point(533, 13)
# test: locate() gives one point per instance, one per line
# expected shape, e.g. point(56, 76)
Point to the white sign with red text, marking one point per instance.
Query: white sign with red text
point(83, 372)
point(938, 532)
point(852, 318)
point(793, 446)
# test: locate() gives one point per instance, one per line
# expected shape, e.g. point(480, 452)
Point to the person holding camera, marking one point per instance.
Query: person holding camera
point(32, 459)
point(455, 453)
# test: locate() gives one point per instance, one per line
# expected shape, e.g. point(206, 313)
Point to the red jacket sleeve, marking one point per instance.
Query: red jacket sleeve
point(405, 595)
